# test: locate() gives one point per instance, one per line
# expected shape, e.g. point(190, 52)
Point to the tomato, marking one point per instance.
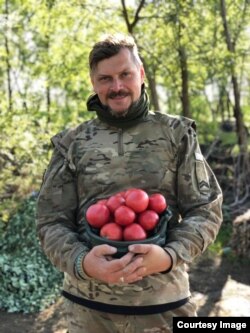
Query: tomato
point(134, 232)
point(97, 215)
point(157, 202)
point(112, 231)
point(102, 201)
point(137, 199)
point(148, 219)
point(128, 191)
point(122, 193)
point(124, 215)
point(114, 202)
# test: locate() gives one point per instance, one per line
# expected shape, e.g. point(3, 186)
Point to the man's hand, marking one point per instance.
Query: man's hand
point(99, 264)
point(155, 258)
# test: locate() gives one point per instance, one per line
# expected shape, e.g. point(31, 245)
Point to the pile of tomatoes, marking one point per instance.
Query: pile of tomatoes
point(127, 216)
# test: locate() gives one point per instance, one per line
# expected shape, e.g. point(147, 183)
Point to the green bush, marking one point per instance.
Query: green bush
point(28, 281)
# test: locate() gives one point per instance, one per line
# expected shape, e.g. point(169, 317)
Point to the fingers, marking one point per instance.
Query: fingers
point(103, 250)
point(133, 266)
point(137, 275)
point(140, 248)
point(133, 271)
point(118, 265)
point(100, 264)
point(125, 269)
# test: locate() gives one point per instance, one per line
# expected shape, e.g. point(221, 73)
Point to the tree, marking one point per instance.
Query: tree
point(231, 45)
point(7, 55)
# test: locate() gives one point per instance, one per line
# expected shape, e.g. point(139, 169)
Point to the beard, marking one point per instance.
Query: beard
point(125, 112)
point(120, 114)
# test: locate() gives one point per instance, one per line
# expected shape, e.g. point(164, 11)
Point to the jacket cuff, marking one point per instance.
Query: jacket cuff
point(79, 271)
point(173, 257)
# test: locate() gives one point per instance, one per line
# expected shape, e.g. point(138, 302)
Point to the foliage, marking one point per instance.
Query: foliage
point(28, 281)
point(222, 242)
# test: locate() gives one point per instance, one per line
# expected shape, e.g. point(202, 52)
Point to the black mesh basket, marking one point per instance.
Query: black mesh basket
point(157, 236)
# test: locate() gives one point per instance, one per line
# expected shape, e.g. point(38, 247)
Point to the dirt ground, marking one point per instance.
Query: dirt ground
point(219, 286)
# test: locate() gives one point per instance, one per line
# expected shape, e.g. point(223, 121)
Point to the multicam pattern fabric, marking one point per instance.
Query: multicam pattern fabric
point(85, 320)
point(94, 161)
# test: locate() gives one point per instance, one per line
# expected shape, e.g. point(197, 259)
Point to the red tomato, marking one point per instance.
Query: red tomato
point(124, 215)
point(134, 232)
point(122, 193)
point(114, 202)
point(148, 219)
point(137, 199)
point(128, 191)
point(157, 202)
point(112, 231)
point(97, 215)
point(102, 201)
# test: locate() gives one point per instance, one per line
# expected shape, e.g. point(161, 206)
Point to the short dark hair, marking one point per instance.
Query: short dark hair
point(111, 45)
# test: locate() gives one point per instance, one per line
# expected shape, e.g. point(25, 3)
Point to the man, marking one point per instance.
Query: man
point(126, 146)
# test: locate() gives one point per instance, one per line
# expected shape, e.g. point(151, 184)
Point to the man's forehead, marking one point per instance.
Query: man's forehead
point(117, 63)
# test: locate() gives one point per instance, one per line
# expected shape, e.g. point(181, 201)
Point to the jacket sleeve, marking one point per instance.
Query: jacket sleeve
point(56, 215)
point(199, 201)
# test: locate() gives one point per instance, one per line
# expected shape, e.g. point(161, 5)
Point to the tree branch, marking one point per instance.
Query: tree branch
point(137, 17)
point(130, 26)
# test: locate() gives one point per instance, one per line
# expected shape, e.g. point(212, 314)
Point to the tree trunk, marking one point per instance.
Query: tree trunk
point(48, 102)
point(184, 82)
point(8, 66)
point(240, 126)
point(154, 100)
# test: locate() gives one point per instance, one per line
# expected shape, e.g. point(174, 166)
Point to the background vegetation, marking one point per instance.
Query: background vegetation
point(197, 59)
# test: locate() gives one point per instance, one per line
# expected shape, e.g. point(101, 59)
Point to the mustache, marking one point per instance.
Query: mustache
point(120, 93)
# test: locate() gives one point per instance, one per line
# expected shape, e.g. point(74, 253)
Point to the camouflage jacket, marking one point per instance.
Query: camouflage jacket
point(96, 160)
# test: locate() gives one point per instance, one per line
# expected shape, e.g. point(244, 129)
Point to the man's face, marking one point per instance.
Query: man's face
point(117, 81)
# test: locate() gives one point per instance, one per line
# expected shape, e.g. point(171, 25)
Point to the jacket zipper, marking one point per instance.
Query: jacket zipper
point(120, 142)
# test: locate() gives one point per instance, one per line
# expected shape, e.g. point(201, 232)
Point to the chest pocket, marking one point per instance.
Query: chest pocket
point(106, 171)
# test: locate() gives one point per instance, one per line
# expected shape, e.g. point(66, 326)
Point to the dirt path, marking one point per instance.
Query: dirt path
point(219, 286)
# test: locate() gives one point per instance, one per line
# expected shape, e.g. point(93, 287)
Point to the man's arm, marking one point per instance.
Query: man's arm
point(199, 204)
point(199, 200)
point(56, 211)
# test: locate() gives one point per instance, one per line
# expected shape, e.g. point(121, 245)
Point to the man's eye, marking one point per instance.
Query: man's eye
point(125, 74)
point(104, 78)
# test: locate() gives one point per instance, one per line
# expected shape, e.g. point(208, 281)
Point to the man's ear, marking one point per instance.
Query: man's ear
point(142, 73)
point(91, 79)
point(92, 82)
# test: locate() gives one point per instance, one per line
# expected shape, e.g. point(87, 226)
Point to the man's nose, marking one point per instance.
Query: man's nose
point(116, 85)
